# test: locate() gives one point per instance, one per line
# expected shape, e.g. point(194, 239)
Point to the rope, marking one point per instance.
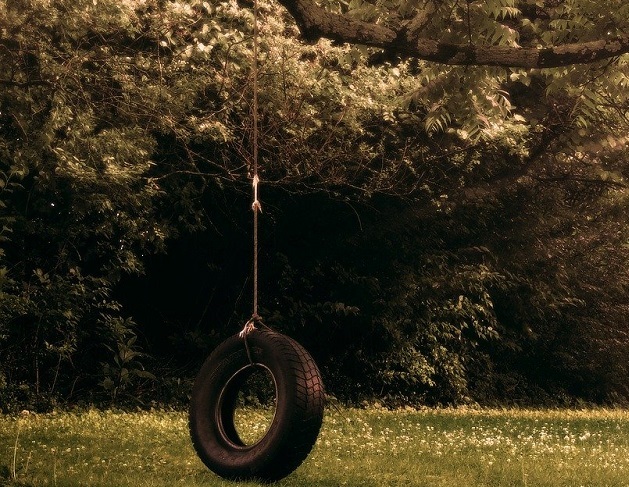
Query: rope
point(249, 327)
point(255, 206)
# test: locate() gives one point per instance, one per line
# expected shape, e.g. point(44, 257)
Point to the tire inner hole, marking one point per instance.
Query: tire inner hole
point(255, 405)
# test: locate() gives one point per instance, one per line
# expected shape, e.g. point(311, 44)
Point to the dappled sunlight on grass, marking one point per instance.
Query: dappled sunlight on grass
point(482, 447)
point(356, 447)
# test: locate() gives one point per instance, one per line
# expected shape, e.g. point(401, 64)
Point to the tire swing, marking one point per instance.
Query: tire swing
point(297, 418)
point(256, 355)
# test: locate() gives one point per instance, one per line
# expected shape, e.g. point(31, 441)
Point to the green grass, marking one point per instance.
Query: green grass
point(372, 447)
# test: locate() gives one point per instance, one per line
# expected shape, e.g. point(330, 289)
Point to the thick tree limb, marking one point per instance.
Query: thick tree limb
point(315, 22)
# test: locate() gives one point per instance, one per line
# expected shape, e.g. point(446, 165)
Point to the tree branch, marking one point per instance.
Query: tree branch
point(421, 20)
point(577, 179)
point(315, 22)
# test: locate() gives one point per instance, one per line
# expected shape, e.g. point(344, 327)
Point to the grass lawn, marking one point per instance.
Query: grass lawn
point(372, 447)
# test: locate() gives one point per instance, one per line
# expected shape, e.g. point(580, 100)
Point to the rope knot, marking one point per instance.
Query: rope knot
point(248, 328)
point(250, 325)
point(256, 206)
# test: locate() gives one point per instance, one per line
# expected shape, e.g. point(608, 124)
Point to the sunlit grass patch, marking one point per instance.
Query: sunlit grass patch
point(479, 447)
point(253, 423)
point(356, 447)
point(98, 448)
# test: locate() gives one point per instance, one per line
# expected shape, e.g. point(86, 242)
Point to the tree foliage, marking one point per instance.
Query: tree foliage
point(433, 232)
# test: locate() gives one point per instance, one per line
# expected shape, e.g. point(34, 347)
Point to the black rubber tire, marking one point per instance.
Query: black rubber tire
point(299, 404)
